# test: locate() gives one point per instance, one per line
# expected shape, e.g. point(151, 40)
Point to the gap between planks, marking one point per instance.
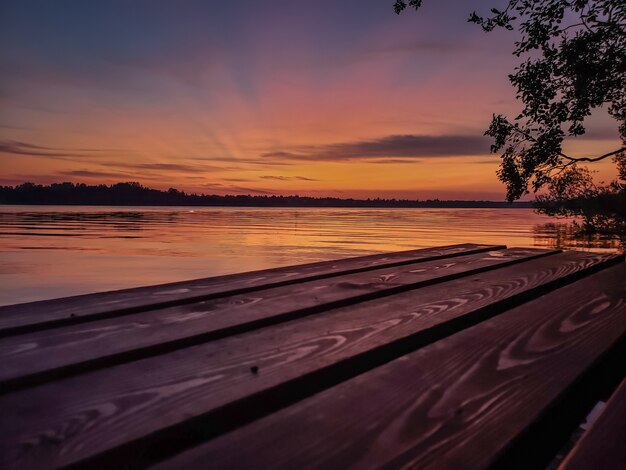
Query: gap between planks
point(460, 402)
point(177, 412)
point(51, 354)
point(22, 318)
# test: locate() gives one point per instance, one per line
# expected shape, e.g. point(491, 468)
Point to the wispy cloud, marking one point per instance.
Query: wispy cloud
point(238, 180)
point(394, 161)
point(15, 147)
point(287, 178)
point(94, 174)
point(393, 148)
point(245, 190)
point(234, 189)
point(23, 148)
point(109, 176)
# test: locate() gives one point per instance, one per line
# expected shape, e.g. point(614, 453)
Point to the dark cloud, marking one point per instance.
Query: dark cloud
point(245, 190)
point(287, 178)
point(233, 189)
point(238, 180)
point(94, 174)
point(138, 171)
point(392, 147)
point(22, 148)
point(111, 175)
point(394, 161)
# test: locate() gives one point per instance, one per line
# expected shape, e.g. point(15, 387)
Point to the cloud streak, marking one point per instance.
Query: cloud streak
point(94, 174)
point(235, 189)
point(23, 148)
point(287, 178)
point(394, 161)
point(390, 149)
point(15, 147)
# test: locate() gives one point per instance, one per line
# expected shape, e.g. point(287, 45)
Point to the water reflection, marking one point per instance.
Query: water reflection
point(97, 224)
point(52, 251)
point(570, 236)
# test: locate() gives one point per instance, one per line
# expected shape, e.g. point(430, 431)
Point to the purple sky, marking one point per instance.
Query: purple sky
point(281, 97)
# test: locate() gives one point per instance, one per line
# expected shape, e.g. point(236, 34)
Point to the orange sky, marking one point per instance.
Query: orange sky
point(348, 101)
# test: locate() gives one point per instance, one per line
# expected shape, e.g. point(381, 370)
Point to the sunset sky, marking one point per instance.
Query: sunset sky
point(321, 98)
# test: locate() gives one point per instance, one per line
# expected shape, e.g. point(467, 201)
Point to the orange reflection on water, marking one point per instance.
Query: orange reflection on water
point(52, 251)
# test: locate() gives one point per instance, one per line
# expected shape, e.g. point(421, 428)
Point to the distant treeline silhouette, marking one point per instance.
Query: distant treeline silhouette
point(134, 194)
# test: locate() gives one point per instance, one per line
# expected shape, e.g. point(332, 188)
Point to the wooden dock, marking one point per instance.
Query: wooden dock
point(465, 356)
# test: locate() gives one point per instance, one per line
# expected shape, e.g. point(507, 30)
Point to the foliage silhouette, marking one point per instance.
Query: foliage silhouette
point(574, 63)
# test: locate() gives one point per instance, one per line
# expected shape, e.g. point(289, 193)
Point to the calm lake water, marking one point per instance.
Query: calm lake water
point(56, 251)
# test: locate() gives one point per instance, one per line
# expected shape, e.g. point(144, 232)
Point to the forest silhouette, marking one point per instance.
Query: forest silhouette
point(133, 193)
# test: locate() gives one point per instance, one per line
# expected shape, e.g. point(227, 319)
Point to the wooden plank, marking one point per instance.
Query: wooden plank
point(37, 315)
point(458, 403)
point(603, 446)
point(126, 410)
point(37, 356)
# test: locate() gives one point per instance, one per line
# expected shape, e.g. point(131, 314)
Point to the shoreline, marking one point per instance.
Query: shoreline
point(355, 205)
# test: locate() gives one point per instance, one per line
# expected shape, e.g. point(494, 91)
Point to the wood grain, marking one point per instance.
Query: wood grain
point(457, 403)
point(603, 446)
point(131, 408)
point(38, 356)
point(38, 315)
